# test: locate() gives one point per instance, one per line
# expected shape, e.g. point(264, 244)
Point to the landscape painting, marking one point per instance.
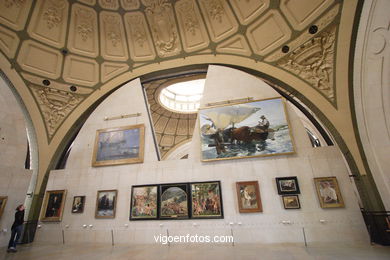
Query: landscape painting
point(251, 129)
point(206, 200)
point(119, 145)
point(174, 201)
point(143, 202)
point(106, 203)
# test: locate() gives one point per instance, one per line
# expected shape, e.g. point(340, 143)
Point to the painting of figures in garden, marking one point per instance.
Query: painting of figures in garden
point(255, 128)
point(143, 202)
point(206, 200)
point(174, 201)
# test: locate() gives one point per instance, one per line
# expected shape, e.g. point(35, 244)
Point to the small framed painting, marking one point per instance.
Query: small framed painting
point(291, 202)
point(287, 185)
point(328, 192)
point(206, 200)
point(106, 203)
point(174, 201)
point(53, 205)
point(248, 196)
point(78, 204)
point(144, 201)
point(3, 202)
point(121, 145)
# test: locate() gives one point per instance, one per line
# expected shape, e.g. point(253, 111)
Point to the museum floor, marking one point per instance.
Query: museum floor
point(247, 252)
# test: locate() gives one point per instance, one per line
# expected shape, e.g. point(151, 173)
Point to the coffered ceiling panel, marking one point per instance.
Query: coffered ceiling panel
point(235, 45)
point(9, 42)
point(219, 18)
point(248, 10)
point(139, 39)
point(83, 35)
point(192, 28)
point(14, 13)
point(111, 69)
point(88, 2)
point(81, 71)
point(109, 4)
point(37, 58)
point(268, 33)
point(130, 4)
point(112, 37)
point(48, 22)
point(301, 13)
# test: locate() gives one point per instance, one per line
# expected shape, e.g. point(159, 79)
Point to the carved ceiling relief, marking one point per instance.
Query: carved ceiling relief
point(11, 3)
point(313, 62)
point(163, 27)
point(84, 25)
point(109, 4)
point(55, 105)
point(191, 23)
point(53, 13)
point(112, 29)
point(130, 4)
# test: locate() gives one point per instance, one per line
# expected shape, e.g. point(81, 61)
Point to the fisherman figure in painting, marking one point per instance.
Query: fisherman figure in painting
point(263, 123)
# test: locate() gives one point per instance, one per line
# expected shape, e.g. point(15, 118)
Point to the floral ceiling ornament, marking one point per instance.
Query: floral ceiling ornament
point(112, 29)
point(138, 31)
point(84, 27)
point(191, 23)
point(215, 9)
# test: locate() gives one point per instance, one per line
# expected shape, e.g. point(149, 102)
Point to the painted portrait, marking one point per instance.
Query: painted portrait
point(251, 129)
point(144, 202)
point(78, 204)
point(206, 200)
point(120, 145)
point(287, 185)
point(248, 196)
point(174, 201)
point(106, 203)
point(53, 205)
point(328, 192)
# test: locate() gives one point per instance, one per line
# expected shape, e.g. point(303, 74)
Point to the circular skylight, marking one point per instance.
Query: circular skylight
point(183, 96)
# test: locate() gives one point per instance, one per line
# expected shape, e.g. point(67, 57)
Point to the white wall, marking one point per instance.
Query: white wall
point(79, 178)
point(14, 179)
point(372, 91)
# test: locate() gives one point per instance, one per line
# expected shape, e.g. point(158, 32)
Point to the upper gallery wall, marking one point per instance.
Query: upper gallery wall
point(65, 56)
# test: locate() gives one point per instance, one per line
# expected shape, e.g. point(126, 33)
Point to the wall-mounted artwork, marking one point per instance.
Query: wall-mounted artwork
point(288, 185)
point(328, 192)
point(106, 203)
point(206, 200)
point(3, 202)
point(53, 205)
point(174, 201)
point(251, 129)
point(248, 196)
point(78, 204)
point(144, 202)
point(120, 145)
point(291, 202)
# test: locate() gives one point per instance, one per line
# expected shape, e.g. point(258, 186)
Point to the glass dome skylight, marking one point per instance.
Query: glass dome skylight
point(183, 96)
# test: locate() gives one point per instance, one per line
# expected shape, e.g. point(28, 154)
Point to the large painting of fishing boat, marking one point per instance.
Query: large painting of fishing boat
point(120, 145)
point(251, 129)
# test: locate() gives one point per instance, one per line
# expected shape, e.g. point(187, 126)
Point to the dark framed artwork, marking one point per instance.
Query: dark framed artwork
point(144, 202)
point(248, 196)
point(121, 145)
point(328, 192)
point(206, 200)
point(287, 185)
point(106, 203)
point(53, 205)
point(174, 201)
point(3, 202)
point(78, 204)
point(244, 130)
point(291, 202)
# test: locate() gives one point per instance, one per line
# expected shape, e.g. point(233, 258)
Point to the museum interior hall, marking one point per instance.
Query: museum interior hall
point(194, 129)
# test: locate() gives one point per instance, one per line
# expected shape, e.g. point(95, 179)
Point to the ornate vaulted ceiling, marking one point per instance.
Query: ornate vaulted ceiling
point(63, 56)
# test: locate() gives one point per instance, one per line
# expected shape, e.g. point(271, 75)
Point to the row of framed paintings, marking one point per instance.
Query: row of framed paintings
point(234, 131)
point(198, 200)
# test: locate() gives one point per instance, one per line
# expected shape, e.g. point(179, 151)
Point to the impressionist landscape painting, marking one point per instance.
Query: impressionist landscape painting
point(256, 128)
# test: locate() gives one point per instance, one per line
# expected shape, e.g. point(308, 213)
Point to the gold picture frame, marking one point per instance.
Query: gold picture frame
point(249, 129)
point(119, 145)
point(106, 203)
point(328, 192)
point(53, 206)
point(248, 196)
point(3, 202)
